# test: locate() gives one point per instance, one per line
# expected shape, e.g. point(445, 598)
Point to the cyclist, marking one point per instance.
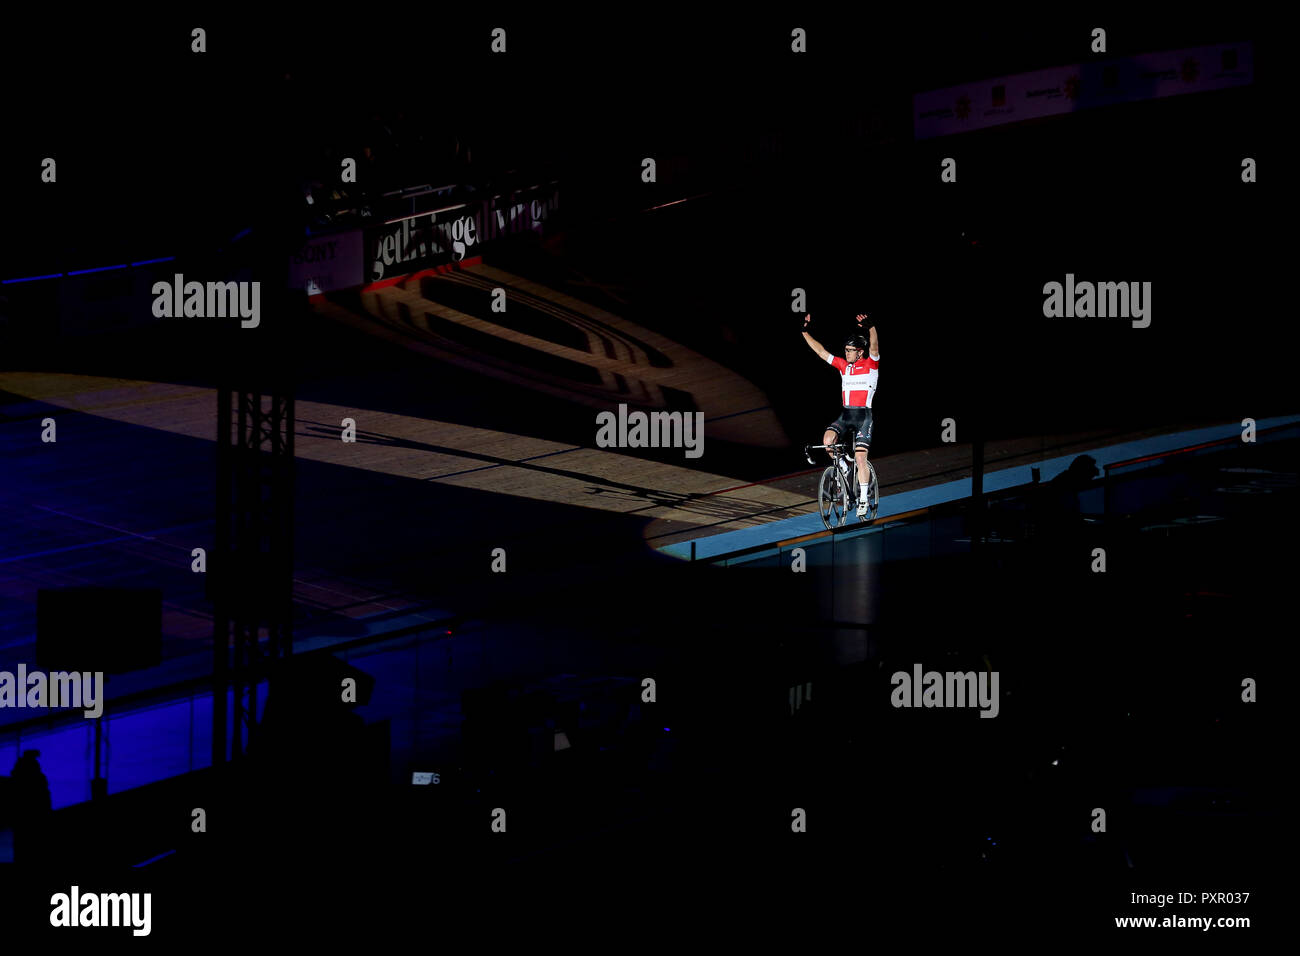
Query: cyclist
point(859, 372)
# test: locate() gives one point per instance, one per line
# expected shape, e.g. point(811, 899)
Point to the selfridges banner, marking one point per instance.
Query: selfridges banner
point(1026, 96)
point(450, 234)
point(328, 263)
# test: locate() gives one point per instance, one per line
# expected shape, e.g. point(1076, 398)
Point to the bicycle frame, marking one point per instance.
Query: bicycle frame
point(836, 491)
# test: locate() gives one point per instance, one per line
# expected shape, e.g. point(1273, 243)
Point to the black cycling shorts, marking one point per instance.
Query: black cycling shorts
point(856, 422)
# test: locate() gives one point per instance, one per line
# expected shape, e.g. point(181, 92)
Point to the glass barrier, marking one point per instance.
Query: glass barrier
point(422, 675)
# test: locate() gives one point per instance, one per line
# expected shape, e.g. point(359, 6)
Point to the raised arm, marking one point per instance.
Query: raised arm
point(812, 342)
point(873, 346)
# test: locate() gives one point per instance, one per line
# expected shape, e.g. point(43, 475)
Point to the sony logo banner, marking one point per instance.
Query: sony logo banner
point(328, 263)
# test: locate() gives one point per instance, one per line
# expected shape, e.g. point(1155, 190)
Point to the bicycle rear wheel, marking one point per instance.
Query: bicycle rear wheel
point(833, 498)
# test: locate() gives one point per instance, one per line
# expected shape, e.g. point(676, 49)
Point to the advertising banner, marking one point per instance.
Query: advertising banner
point(450, 234)
point(328, 263)
point(1065, 89)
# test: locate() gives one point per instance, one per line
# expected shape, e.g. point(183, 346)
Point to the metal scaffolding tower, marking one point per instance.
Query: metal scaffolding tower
point(253, 565)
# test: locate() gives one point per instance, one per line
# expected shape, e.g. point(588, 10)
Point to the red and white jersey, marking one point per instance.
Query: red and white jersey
point(857, 381)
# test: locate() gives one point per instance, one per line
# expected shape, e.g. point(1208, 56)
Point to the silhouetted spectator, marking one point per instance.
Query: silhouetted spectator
point(1075, 478)
point(1055, 503)
point(381, 130)
point(372, 172)
point(29, 794)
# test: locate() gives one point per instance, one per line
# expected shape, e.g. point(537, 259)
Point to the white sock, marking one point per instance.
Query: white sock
point(863, 486)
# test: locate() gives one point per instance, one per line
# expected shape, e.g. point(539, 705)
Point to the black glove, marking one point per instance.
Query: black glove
point(807, 321)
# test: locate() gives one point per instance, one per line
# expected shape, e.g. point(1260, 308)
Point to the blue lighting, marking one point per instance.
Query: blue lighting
point(153, 859)
point(52, 275)
point(82, 272)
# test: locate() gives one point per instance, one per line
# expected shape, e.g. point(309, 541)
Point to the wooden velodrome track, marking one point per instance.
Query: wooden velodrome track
point(625, 363)
point(605, 361)
point(128, 490)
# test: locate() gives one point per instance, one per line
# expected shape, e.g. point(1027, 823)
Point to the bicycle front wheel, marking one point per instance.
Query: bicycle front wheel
point(833, 498)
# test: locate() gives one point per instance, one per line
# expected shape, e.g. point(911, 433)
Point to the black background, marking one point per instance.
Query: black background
point(813, 182)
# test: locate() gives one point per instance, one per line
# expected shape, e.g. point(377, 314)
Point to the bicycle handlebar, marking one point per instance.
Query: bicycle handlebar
point(838, 446)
